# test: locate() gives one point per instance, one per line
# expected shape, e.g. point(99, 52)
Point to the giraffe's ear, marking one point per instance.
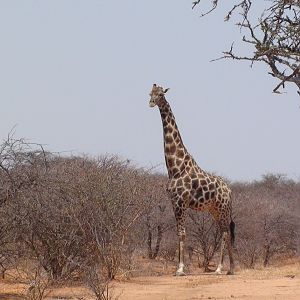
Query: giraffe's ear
point(166, 90)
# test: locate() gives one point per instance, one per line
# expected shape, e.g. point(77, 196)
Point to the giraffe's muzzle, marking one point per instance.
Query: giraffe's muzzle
point(152, 103)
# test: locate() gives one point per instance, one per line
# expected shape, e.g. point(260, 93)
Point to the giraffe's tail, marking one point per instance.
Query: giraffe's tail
point(232, 232)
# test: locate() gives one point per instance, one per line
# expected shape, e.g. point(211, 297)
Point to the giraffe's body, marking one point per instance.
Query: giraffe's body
point(191, 187)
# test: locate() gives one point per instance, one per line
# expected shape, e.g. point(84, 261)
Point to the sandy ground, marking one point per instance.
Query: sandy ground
point(264, 284)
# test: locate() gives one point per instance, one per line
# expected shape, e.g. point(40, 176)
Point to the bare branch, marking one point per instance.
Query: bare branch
point(274, 39)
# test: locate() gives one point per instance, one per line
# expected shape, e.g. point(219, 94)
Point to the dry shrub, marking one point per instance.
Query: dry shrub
point(38, 287)
point(205, 238)
point(267, 219)
point(99, 283)
point(70, 213)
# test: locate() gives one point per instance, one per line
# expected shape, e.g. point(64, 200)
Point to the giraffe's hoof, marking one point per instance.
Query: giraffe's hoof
point(180, 273)
point(230, 273)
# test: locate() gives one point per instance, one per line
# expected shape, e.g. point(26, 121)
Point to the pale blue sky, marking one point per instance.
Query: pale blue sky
point(75, 76)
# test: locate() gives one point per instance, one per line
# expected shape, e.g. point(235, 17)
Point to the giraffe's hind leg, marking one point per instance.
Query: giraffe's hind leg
point(221, 261)
point(227, 241)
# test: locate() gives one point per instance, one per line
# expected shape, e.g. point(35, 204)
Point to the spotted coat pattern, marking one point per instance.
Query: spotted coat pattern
point(189, 186)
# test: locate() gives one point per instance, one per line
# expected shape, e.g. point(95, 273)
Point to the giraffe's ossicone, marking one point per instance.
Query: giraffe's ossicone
point(191, 187)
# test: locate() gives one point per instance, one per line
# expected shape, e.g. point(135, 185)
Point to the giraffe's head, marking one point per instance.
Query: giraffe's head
point(157, 94)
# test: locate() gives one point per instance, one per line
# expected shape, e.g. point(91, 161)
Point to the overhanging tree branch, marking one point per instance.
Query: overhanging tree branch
point(274, 38)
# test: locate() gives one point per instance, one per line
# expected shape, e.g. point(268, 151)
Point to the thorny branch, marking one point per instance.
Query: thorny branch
point(275, 37)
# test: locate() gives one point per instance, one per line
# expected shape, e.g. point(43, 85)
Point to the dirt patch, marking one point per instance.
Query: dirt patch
point(10, 297)
point(262, 284)
point(210, 287)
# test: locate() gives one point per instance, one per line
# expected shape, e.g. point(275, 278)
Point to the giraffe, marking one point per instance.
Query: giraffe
point(191, 187)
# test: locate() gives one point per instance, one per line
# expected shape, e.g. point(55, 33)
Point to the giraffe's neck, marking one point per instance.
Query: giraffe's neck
point(175, 151)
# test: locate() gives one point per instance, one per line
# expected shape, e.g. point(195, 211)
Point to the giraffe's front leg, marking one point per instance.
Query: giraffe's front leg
point(180, 219)
point(180, 270)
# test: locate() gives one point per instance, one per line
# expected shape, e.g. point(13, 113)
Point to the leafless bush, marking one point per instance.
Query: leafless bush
point(111, 213)
point(266, 222)
point(158, 219)
point(70, 213)
point(18, 173)
point(44, 225)
point(38, 285)
point(169, 251)
point(6, 253)
point(67, 211)
point(205, 237)
point(98, 283)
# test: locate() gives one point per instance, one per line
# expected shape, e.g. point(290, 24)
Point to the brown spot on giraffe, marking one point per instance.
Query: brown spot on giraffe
point(172, 148)
point(169, 139)
point(170, 162)
point(180, 153)
point(203, 182)
point(195, 184)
